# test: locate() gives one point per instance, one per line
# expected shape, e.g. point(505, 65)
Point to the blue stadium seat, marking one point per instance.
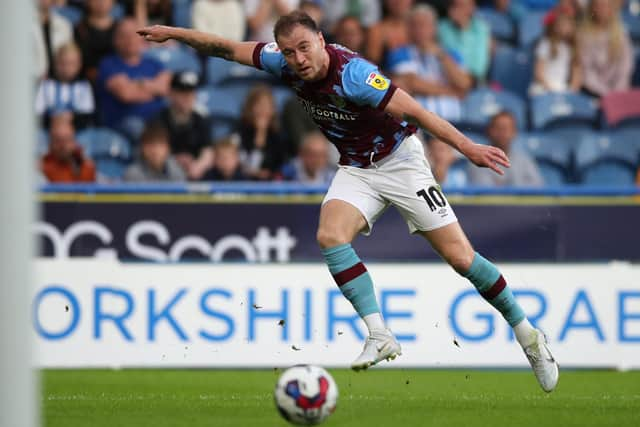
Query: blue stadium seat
point(530, 28)
point(502, 26)
point(512, 69)
point(458, 174)
point(182, 13)
point(110, 150)
point(117, 12)
point(70, 13)
point(281, 95)
point(632, 24)
point(220, 72)
point(224, 101)
point(176, 58)
point(563, 110)
point(607, 159)
point(553, 155)
point(222, 127)
point(481, 104)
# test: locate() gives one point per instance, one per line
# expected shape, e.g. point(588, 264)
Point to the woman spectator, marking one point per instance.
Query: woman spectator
point(605, 50)
point(261, 143)
point(68, 91)
point(557, 66)
point(94, 35)
point(390, 33)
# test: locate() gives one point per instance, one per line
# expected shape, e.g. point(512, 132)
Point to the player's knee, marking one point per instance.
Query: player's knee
point(461, 262)
point(330, 237)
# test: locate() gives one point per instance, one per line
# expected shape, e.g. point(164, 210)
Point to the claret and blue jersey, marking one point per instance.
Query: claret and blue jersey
point(347, 105)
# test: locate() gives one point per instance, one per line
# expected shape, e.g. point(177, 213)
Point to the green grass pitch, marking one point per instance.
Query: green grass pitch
point(399, 397)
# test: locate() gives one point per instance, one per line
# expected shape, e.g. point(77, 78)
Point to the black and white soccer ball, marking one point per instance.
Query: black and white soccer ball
point(306, 395)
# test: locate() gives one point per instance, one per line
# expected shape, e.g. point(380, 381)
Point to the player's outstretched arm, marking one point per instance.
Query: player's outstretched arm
point(205, 43)
point(404, 107)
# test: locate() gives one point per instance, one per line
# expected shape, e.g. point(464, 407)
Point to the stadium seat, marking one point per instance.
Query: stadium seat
point(622, 108)
point(481, 104)
point(458, 175)
point(224, 101)
point(512, 69)
point(117, 12)
point(563, 110)
point(176, 58)
point(553, 155)
point(222, 127)
point(281, 95)
point(70, 13)
point(607, 159)
point(182, 13)
point(530, 28)
point(632, 24)
point(221, 72)
point(502, 26)
point(110, 151)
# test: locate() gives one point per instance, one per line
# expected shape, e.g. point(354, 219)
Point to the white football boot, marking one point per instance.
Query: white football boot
point(542, 362)
point(380, 345)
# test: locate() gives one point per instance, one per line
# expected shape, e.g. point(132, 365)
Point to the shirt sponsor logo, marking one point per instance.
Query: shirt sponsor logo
point(377, 81)
point(319, 113)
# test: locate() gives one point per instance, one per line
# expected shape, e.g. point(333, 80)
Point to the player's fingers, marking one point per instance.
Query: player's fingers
point(500, 155)
point(494, 167)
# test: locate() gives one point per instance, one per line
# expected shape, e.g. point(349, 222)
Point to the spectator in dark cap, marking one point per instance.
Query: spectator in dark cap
point(189, 131)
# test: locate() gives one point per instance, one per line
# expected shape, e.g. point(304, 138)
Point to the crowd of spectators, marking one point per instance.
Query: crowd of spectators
point(93, 71)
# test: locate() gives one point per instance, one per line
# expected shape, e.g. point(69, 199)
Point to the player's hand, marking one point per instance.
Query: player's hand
point(156, 33)
point(488, 157)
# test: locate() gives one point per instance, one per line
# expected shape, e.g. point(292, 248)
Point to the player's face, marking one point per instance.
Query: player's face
point(304, 52)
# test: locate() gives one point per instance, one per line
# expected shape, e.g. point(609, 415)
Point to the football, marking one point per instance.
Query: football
point(306, 395)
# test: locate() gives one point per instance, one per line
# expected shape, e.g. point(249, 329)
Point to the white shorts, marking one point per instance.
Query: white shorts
point(402, 179)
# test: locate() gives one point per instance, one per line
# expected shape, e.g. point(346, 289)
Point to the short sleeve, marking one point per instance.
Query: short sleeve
point(363, 84)
point(267, 57)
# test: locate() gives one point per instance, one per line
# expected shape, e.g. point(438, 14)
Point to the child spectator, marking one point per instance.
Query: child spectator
point(605, 50)
point(312, 165)
point(262, 145)
point(557, 66)
point(94, 34)
point(226, 165)
point(390, 33)
point(67, 91)
point(65, 161)
point(465, 33)
point(155, 163)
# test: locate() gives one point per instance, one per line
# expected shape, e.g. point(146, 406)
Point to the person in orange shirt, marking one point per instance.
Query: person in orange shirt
point(65, 161)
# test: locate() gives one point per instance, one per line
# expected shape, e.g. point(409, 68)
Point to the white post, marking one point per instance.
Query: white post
point(17, 381)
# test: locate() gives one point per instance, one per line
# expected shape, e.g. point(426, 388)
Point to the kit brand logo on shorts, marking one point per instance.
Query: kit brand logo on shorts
point(376, 81)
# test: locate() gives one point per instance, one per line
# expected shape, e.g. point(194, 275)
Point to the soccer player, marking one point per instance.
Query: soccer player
point(382, 163)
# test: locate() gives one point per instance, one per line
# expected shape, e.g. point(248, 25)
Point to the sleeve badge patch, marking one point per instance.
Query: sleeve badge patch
point(377, 81)
point(271, 48)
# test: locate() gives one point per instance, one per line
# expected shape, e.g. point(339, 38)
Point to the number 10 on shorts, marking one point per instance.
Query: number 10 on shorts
point(433, 197)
